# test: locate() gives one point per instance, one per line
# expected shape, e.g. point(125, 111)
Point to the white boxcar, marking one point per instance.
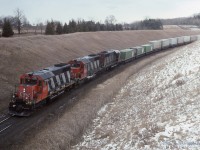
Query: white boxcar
point(173, 42)
point(198, 37)
point(156, 45)
point(186, 39)
point(147, 48)
point(164, 43)
point(180, 40)
point(193, 38)
point(139, 50)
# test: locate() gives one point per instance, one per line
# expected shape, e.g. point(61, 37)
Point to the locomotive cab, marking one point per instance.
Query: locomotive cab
point(39, 87)
point(30, 91)
point(77, 69)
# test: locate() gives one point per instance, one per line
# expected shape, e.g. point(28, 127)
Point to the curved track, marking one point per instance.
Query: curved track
point(5, 122)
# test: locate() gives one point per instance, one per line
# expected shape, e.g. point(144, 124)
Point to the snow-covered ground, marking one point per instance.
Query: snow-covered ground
point(158, 108)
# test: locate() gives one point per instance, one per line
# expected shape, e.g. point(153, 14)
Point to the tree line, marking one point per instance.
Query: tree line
point(147, 24)
point(192, 20)
point(54, 27)
point(18, 21)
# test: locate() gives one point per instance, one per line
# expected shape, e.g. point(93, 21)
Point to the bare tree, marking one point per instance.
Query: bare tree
point(26, 24)
point(19, 17)
point(1, 22)
point(41, 27)
point(110, 21)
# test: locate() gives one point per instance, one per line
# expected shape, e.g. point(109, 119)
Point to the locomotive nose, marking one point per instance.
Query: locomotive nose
point(19, 108)
point(27, 92)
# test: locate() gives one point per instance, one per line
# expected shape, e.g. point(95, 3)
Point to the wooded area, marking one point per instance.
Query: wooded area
point(193, 20)
point(18, 23)
point(73, 26)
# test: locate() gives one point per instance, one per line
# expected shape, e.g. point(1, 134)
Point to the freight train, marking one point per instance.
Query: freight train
point(39, 87)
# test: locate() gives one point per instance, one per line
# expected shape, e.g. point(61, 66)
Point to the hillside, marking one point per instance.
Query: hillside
point(158, 108)
point(24, 54)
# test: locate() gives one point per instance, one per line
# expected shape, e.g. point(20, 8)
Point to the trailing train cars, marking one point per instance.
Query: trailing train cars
point(165, 43)
point(186, 39)
point(139, 51)
point(156, 45)
point(38, 87)
point(193, 38)
point(147, 48)
point(173, 42)
point(180, 41)
point(127, 55)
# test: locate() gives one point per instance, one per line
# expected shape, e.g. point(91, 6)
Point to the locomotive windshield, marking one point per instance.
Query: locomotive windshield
point(76, 65)
point(29, 81)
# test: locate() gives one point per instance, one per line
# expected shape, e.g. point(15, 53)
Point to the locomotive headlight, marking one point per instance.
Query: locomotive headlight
point(24, 90)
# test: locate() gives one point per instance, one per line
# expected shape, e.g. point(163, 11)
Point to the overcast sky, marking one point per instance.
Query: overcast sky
point(123, 10)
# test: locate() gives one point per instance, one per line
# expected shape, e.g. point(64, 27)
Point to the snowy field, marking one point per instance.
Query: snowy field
point(158, 108)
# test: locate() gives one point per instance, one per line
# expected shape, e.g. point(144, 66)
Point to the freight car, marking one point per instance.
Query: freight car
point(139, 51)
point(198, 37)
point(127, 55)
point(147, 48)
point(180, 41)
point(165, 43)
point(193, 38)
point(173, 42)
point(38, 87)
point(186, 39)
point(156, 45)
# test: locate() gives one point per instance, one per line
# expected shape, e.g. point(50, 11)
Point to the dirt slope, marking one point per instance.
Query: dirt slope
point(158, 108)
point(24, 54)
point(64, 127)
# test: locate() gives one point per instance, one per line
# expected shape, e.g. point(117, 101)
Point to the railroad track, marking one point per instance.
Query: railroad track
point(5, 122)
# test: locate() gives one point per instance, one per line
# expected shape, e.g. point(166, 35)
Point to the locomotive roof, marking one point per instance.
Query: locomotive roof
point(91, 57)
point(87, 59)
point(51, 71)
point(126, 50)
point(137, 47)
point(108, 51)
